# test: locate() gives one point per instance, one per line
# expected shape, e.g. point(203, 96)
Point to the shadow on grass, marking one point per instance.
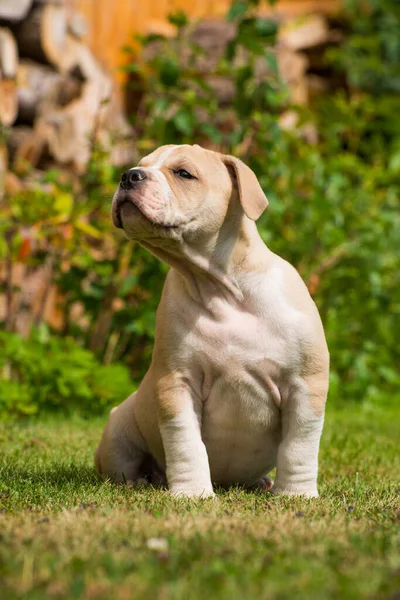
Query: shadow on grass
point(53, 475)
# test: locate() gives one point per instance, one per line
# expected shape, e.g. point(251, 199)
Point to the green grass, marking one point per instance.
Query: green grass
point(65, 534)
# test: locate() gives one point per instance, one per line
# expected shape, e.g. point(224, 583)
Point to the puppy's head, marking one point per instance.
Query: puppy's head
point(179, 192)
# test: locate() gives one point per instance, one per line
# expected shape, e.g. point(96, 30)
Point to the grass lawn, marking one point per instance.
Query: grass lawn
point(66, 534)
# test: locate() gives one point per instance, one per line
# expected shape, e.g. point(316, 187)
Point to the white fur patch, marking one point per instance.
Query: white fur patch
point(164, 155)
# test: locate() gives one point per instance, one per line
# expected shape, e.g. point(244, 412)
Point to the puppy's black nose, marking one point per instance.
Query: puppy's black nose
point(131, 178)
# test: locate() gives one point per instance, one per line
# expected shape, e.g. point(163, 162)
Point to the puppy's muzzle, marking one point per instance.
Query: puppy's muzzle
point(132, 178)
point(130, 181)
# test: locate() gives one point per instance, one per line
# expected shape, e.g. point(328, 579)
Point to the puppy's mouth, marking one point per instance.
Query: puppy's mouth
point(133, 208)
point(118, 216)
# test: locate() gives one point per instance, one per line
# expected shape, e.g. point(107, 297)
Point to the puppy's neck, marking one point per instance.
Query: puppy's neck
point(212, 267)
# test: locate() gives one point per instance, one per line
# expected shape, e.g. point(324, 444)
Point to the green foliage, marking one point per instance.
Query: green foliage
point(48, 373)
point(371, 55)
point(178, 104)
point(65, 226)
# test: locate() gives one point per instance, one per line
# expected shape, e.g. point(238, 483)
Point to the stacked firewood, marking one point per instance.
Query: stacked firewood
point(300, 49)
point(302, 44)
point(55, 96)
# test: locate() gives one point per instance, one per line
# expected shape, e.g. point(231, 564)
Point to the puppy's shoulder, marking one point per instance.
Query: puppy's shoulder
point(287, 279)
point(310, 331)
point(283, 297)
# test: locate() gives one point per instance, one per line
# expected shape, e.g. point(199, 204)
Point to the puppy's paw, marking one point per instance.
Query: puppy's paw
point(139, 482)
point(264, 484)
point(192, 491)
point(306, 492)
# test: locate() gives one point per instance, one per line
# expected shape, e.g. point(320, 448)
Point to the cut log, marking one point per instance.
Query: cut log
point(40, 88)
point(59, 131)
point(36, 299)
point(212, 36)
point(304, 33)
point(77, 25)
point(42, 36)
point(8, 102)
point(289, 120)
point(12, 185)
point(35, 84)
point(14, 10)
point(71, 131)
point(292, 66)
point(317, 86)
point(8, 54)
point(3, 170)
point(25, 148)
point(298, 92)
point(81, 60)
point(8, 71)
point(223, 88)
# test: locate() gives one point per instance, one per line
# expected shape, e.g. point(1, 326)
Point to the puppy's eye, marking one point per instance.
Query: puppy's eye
point(185, 174)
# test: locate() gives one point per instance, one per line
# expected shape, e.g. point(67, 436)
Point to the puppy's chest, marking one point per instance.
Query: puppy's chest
point(235, 352)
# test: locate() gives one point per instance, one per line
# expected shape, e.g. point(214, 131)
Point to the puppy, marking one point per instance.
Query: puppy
point(239, 375)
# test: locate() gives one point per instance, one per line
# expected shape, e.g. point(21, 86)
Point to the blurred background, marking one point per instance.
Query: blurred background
point(306, 92)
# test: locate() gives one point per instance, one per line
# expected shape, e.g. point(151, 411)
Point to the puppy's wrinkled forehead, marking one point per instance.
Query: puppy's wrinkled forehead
point(194, 158)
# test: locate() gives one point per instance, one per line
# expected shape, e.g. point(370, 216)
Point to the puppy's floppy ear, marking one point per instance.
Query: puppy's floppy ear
point(252, 198)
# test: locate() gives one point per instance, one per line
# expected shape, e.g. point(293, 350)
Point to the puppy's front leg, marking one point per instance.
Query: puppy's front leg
point(188, 470)
point(302, 421)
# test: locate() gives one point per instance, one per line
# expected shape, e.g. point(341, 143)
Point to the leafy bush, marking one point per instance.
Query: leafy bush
point(63, 225)
point(46, 373)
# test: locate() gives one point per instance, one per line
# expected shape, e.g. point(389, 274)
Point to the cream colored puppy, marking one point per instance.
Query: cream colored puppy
point(239, 375)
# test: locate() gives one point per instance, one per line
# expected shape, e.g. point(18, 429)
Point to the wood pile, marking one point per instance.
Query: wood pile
point(55, 97)
point(301, 48)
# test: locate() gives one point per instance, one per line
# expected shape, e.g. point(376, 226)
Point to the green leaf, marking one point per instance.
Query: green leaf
point(169, 71)
point(184, 122)
point(64, 203)
point(178, 18)
point(237, 10)
point(88, 229)
point(266, 28)
point(128, 284)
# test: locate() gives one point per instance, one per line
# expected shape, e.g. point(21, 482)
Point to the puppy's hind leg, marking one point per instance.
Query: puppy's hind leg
point(117, 460)
point(121, 453)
